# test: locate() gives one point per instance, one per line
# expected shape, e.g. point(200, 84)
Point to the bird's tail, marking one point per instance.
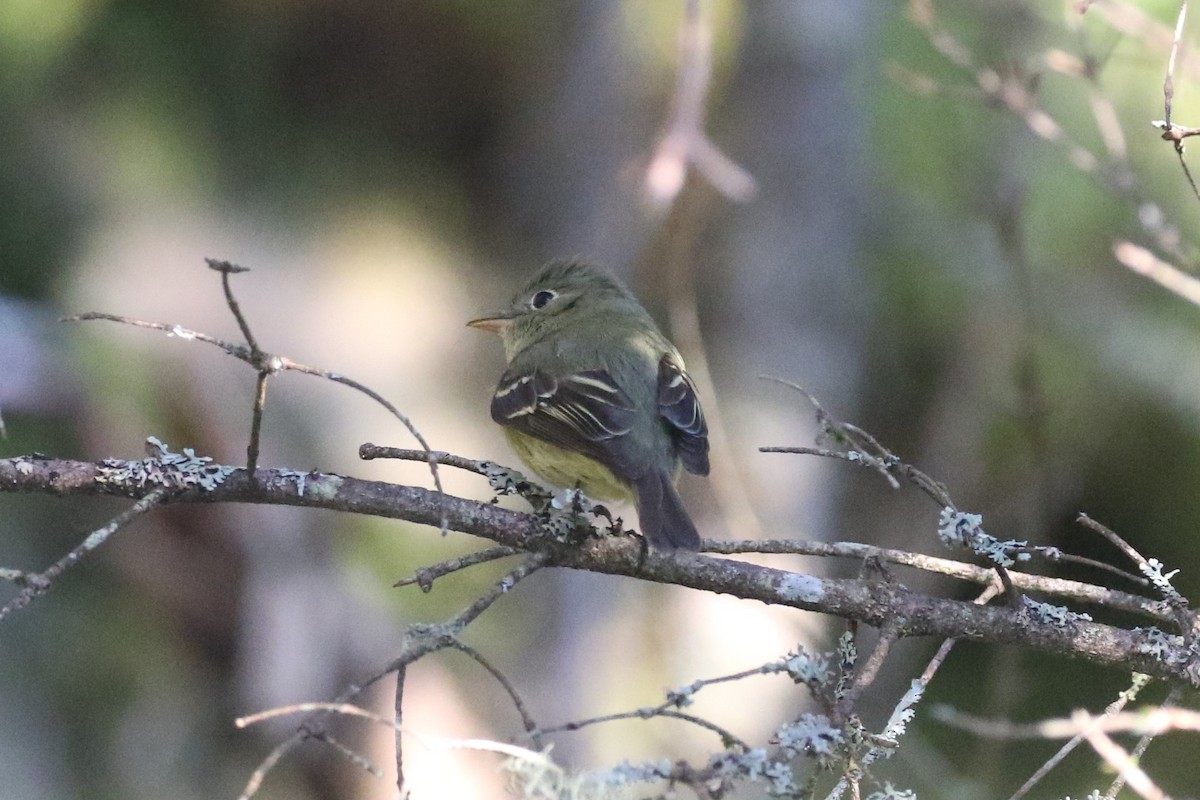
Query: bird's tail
point(664, 521)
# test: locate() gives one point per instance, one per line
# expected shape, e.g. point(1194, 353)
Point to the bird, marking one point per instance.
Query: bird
point(595, 397)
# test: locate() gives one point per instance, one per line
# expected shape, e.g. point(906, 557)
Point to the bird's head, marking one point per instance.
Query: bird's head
point(562, 293)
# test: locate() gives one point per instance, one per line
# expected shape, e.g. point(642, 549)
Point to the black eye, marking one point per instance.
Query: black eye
point(543, 297)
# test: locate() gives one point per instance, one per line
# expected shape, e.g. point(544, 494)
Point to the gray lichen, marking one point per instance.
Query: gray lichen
point(164, 468)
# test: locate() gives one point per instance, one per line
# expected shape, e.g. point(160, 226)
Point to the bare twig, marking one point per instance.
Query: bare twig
point(1147, 566)
point(1143, 743)
point(904, 708)
point(419, 641)
point(346, 709)
point(1113, 537)
point(862, 448)
point(649, 713)
point(1168, 276)
point(287, 363)
point(266, 364)
point(226, 269)
point(1169, 80)
point(1117, 757)
point(865, 676)
point(1139, 682)
point(265, 766)
point(39, 583)
point(398, 711)
point(1094, 729)
point(425, 576)
point(727, 738)
point(260, 403)
point(309, 728)
point(674, 700)
point(1156, 720)
point(500, 588)
point(370, 452)
point(937, 492)
point(350, 754)
point(685, 143)
point(1015, 95)
point(531, 727)
point(1055, 555)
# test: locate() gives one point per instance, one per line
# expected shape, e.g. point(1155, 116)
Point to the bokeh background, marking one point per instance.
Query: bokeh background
point(930, 265)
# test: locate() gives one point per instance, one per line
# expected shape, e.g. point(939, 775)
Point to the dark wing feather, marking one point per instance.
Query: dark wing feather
point(585, 412)
point(680, 407)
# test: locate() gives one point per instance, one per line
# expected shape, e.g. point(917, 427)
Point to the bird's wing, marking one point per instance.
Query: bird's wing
point(680, 407)
point(585, 412)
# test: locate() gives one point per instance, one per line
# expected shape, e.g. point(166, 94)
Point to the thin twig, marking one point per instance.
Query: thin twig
point(865, 676)
point(243, 353)
point(240, 352)
point(727, 737)
point(265, 766)
point(665, 710)
point(1018, 97)
point(227, 268)
point(1187, 172)
point(1178, 603)
point(308, 728)
point(350, 754)
point(1167, 275)
point(1169, 80)
point(877, 752)
point(1117, 757)
point(862, 448)
point(1171, 132)
point(1154, 720)
point(287, 363)
point(531, 727)
point(1140, 750)
point(1139, 682)
point(959, 570)
point(674, 700)
point(425, 576)
point(346, 709)
point(370, 452)
point(1055, 555)
point(260, 402)
point(420, 640)
point(501, 587)
point(685, 143)
point(398, 711)
point(38, 584)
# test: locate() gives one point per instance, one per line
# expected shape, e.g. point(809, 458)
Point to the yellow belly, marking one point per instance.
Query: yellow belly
point(567, 469)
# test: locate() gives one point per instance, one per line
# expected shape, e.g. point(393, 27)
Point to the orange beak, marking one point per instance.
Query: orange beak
point(496, 324)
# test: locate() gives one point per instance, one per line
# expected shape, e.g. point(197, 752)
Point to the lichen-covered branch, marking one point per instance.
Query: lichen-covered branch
point(872, 601)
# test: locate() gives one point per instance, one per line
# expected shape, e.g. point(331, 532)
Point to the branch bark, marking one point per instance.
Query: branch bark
point(873, 601)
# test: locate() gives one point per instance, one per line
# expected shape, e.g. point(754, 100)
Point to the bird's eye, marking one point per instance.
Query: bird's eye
point(543, 297)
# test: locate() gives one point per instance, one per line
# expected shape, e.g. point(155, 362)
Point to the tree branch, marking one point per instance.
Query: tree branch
point(873, 602)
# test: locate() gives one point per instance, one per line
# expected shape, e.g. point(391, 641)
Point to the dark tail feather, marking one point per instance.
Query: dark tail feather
point(665, 523)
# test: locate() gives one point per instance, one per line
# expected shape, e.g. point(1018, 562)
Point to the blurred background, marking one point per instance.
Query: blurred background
point(930, 265)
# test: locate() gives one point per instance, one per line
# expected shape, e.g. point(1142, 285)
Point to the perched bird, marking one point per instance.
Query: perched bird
point(595, 397)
